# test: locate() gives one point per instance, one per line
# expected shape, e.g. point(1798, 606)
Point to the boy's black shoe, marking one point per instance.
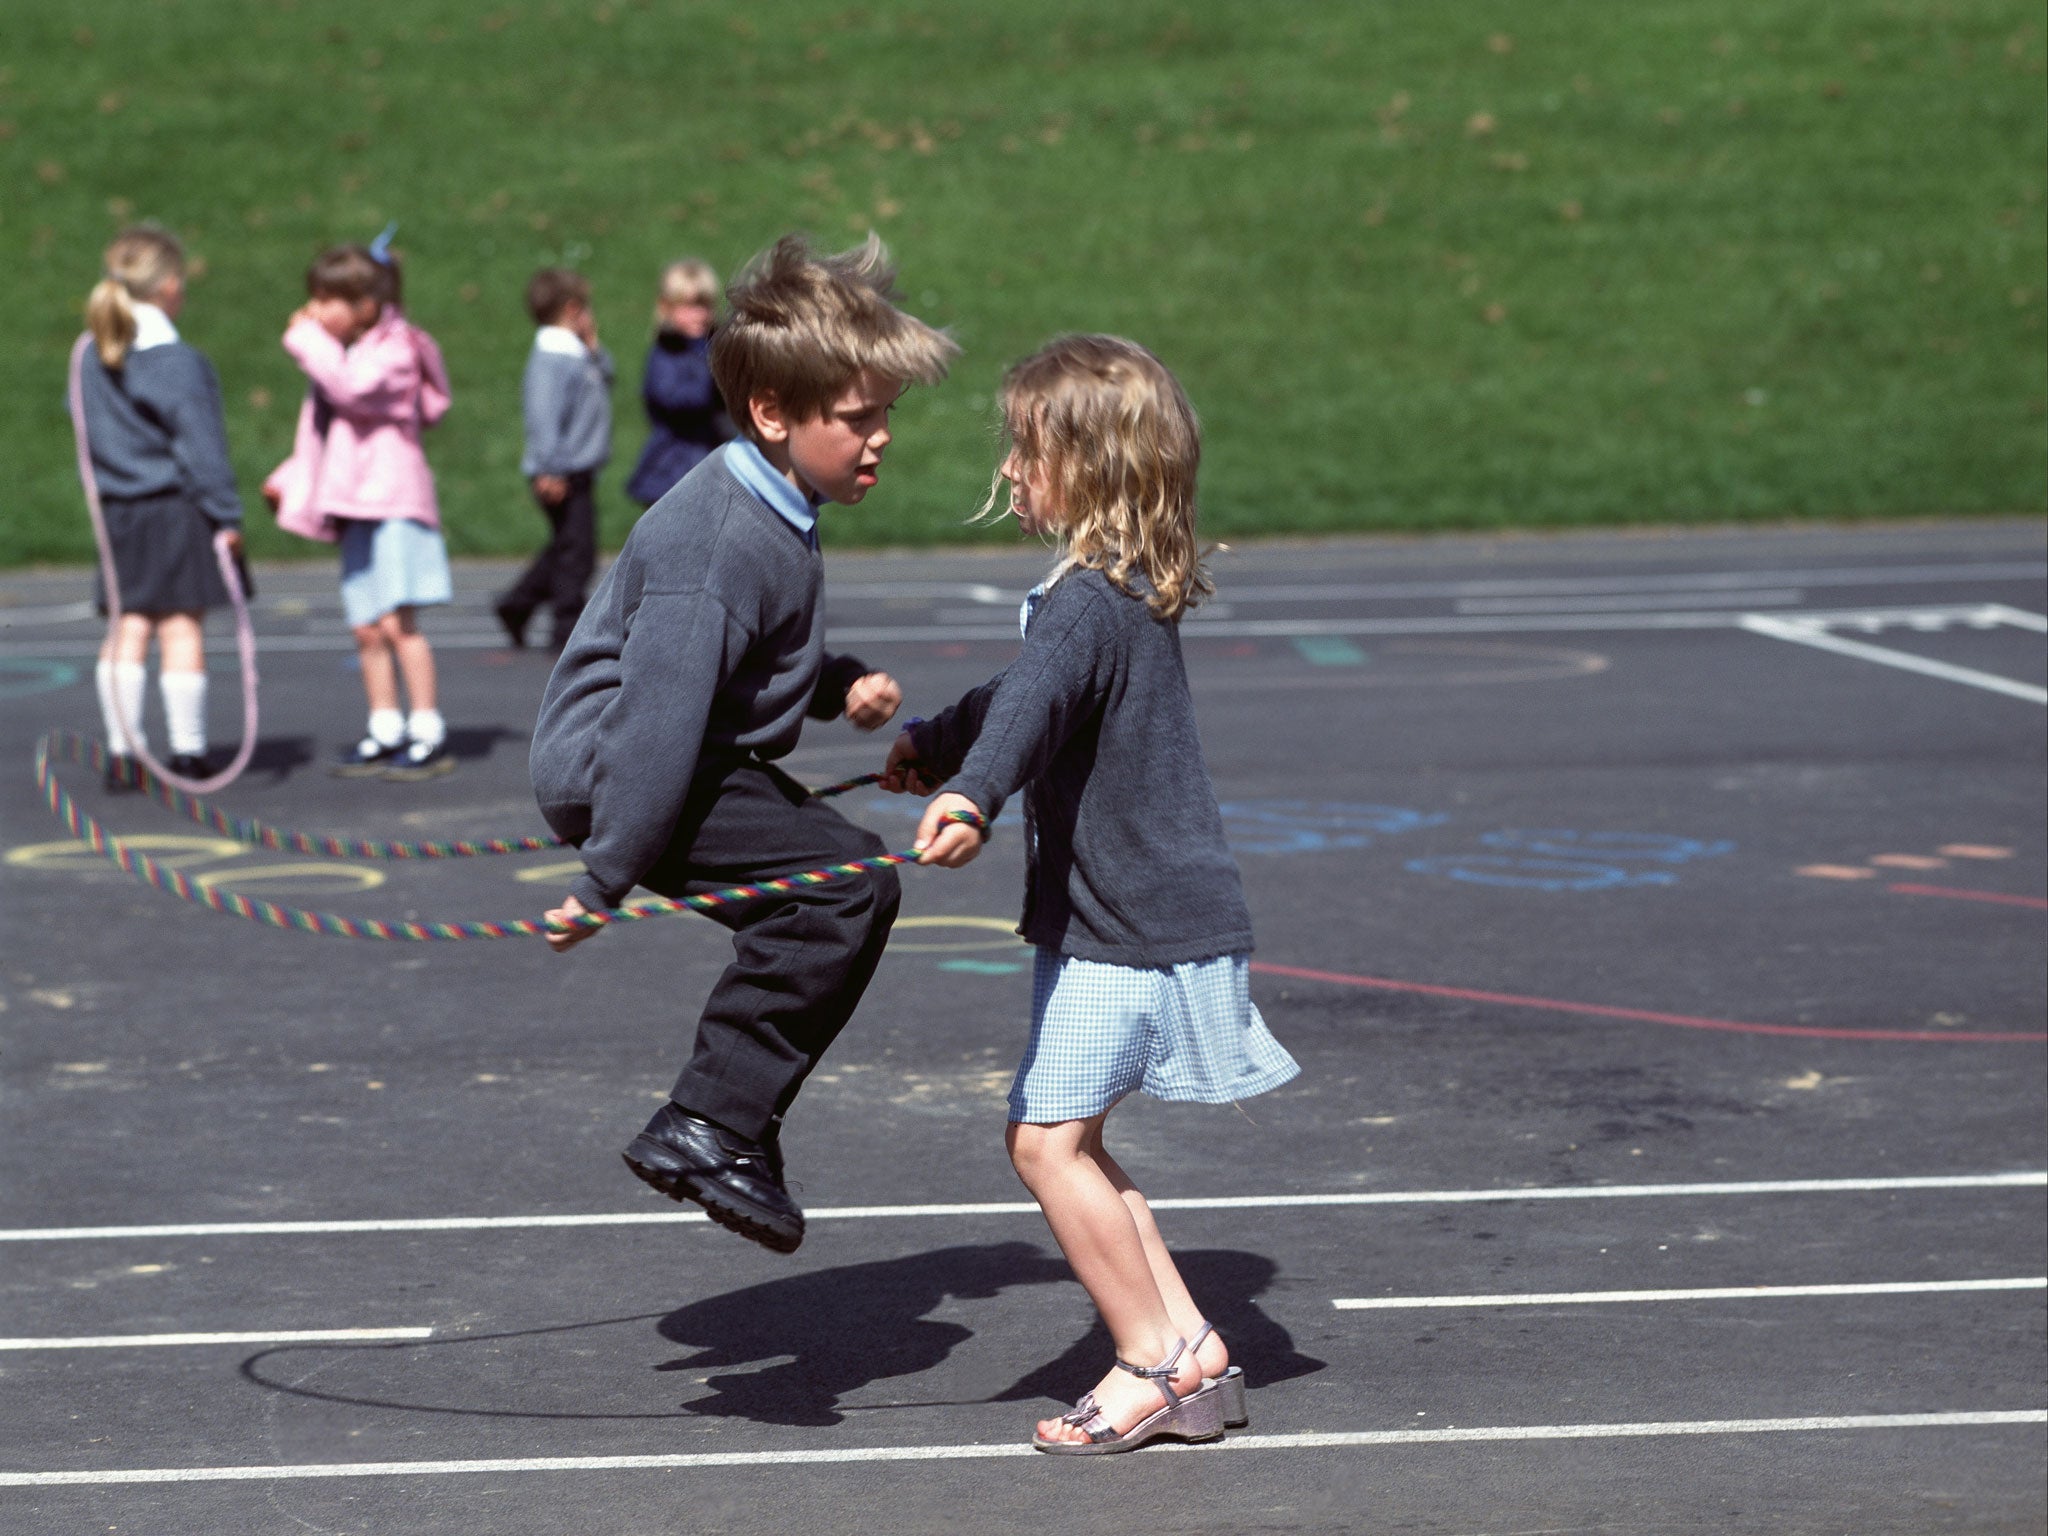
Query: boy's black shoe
point(121, 776)
point(515, 619)
point(188, 765)
point(739, 1182)
point(416, 760)
point(366, 758)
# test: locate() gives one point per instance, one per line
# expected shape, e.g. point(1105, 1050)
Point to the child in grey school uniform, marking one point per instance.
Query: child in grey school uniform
point(568, 407)
point(1131, 894)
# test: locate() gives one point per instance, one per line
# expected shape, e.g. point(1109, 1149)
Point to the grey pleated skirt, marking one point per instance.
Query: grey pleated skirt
point(163, 556)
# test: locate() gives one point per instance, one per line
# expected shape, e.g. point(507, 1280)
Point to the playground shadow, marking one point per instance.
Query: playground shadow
point(788, 1352)
point(844, 1329)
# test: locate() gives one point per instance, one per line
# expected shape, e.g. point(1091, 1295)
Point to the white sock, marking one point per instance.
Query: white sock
point(387, 727)
point(184, 711)
point(426, 727)
point(123, 680)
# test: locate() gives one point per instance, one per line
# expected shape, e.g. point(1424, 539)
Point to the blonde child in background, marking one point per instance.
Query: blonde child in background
point(160, 464)
point(1131, 894)
point(358, 477)
point(685, 417)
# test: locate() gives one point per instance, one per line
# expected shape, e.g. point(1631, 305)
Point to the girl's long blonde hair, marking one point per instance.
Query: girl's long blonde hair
point(1118, 441)
point(136, 267)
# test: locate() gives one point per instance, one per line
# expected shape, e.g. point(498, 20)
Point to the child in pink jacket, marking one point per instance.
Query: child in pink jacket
point(357, 477)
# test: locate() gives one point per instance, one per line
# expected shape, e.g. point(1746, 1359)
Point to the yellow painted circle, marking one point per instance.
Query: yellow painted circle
point(171, 850)
point(994, 926)
point(298, 877)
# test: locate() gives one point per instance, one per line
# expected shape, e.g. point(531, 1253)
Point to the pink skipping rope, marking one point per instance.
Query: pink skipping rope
point(223, 551)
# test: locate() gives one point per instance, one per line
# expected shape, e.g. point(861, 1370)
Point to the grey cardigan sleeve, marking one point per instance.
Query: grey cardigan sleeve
point(199, 438)
point(1040, 700)
point(679, 651)
point(544, 401)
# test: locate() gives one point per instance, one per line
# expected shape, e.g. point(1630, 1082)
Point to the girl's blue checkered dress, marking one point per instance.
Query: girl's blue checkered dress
point(1100, 1031)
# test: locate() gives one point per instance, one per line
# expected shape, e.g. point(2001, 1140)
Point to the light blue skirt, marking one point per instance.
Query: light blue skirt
point(390, 563)
point(1099, 1031)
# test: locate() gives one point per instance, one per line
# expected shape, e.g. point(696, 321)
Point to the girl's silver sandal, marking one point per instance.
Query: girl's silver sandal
point(1229, 1387)
point(1196, 1417)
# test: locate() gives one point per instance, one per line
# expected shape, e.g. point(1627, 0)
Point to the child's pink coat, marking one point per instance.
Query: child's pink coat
point(383, 391)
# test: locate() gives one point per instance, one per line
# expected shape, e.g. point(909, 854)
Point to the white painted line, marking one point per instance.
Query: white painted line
point(1632, 602)
point(2034, 1179)
point(1227, 629)
point(1781, 627)
point(688, 1460)
point(159, 1340)
point(1718, 1293)
point(2037, 622)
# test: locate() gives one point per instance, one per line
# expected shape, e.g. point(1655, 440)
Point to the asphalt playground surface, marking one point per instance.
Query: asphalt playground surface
point(1649, 914)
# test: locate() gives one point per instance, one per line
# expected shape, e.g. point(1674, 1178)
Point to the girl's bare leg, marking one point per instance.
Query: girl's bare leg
point(380, 679)
point(415, 658)
point(1093, 1225)
point(130, 641)
point(180, 642)
point(1173, 1291)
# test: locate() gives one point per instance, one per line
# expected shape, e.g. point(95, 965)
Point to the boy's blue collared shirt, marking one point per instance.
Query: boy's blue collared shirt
point(766, 482)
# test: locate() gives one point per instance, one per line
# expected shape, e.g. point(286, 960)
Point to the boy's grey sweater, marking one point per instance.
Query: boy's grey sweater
point(155, 425)
point(1126, 860)
point(568, 408)
point(703, 644)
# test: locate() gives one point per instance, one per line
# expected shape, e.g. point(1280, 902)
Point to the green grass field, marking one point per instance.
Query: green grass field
point(1420, 266)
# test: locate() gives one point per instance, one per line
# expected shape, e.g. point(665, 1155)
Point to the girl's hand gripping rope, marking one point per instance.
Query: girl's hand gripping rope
point(904, 771)
point(951, 833)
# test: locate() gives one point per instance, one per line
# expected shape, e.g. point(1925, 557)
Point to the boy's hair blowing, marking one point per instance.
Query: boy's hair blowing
point(803, 326)
point(552, 290)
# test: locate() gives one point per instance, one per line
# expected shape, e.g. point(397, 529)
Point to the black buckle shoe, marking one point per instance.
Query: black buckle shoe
point(737, 1182)
point(513, 619)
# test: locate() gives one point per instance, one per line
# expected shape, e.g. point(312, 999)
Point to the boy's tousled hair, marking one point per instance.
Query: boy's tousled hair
point(552, 290)
point(802, 326)
point(350, 272)
point(134, 269)
point(1115, 436)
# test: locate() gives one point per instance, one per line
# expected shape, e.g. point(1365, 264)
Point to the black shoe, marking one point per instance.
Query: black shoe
point(737, 1181)
point(514, 618)
point(366, 758)
point(416, 761)
point(122, 777)
point(188, 765)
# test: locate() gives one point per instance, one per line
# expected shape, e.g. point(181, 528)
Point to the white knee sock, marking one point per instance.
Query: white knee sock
point(122, 680)
point(426, 727)
point(387, 727)
point(184, 711)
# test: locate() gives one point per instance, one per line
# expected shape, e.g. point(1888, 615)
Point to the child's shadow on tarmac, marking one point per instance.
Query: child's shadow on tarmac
point(283, 757)
point(849, 1327)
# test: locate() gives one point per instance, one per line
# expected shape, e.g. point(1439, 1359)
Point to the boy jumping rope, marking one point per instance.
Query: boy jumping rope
point(693, 669)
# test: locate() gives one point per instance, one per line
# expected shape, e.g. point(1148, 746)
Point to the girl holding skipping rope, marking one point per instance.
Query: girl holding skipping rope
point(160, 463)
point(1131, 895)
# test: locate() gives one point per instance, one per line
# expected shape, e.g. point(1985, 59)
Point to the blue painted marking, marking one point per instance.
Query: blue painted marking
point(1535, 874)
point(20, 678)
point(1329, 651)
point(1315, 826)
point(982, 967)
point(1660, 846)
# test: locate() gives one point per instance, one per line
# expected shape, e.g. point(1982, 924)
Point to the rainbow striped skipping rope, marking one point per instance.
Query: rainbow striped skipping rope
point(71, 747)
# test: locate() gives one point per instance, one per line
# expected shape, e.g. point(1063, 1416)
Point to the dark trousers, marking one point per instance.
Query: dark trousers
point(560, 574)
point(800, 960)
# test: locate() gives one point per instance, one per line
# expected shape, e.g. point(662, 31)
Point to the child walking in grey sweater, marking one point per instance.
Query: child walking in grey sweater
point(566, 394)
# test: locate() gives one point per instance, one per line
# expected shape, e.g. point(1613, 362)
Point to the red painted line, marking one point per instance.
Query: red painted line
point(1603, 1010)
point(1949, 890)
